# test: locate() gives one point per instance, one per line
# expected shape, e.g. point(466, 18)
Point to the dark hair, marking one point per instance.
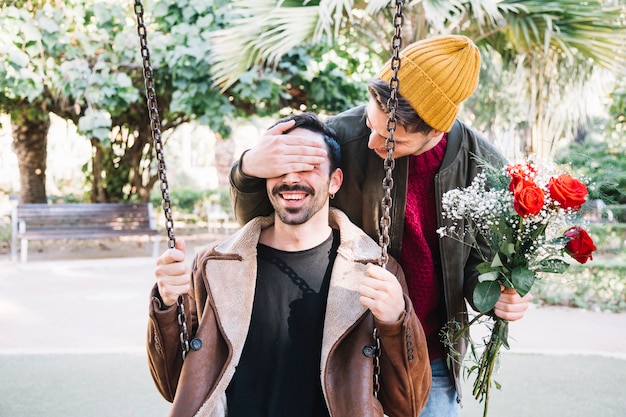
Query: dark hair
point(311, 122)
point(406, 116)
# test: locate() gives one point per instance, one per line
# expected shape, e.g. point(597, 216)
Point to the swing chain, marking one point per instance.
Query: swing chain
point(390, 143)
point(389, 164)
point(155, 125)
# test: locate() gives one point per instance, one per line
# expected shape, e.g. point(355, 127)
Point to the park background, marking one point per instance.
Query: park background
point(74, 126)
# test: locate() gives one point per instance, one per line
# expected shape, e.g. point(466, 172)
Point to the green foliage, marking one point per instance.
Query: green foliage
point(184, 200)
point(63, 59)
point(609, 237)
point(486, 295)
point(5, 231)
point(312, 79)
point(617, 129)
point(567, 26)
point(604, 165)
point(181, 57)
point(598, 285)
point(95, 124)
point(82, 61)
point(538, 54)
point(329, 80)
point(18, 80)
point(603, 161)
point(191, 201)
point(221, 197)
point(67, 198)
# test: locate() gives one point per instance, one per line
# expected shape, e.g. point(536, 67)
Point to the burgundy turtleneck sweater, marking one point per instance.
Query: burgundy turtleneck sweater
point(420, 246)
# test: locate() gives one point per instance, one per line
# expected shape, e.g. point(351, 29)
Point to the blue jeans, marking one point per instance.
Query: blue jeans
point(442, 399)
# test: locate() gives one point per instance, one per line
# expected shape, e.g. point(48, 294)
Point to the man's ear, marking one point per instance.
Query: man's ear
point(336, 179)
point(434, 133)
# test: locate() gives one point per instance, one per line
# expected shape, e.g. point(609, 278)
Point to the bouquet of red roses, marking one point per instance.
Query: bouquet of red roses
point(524, 217)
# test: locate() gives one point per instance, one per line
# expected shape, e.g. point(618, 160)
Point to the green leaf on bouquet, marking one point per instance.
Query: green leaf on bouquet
point(496, 261)
point(507, 248)
point(488, 276)
point(486, 295)
point(484, 267)
point(503, 332)
point(555, 266)
point(523, 279)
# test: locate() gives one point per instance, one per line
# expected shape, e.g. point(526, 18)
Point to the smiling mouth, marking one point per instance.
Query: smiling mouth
point(293, 196)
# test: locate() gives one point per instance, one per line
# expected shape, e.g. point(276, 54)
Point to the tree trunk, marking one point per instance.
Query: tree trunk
point(139, 157)
point(98, 194)
point(30, 142)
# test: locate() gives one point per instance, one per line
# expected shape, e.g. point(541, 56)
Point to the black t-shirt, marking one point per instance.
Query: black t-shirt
point(279, 371)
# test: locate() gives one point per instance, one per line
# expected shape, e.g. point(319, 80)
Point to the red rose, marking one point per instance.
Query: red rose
point(528, 201)
point(567, 191)
point(522, 175)
point(580, 245)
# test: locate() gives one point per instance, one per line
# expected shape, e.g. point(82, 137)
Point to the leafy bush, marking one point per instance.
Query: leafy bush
point(68, 198)
point(609, 238)
point(599, 286)
point(5, 231)
point(193, 203)
point(604, 164)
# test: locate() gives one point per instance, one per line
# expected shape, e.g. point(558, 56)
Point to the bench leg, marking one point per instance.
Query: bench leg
point(24, 251)
point(15, 227)
point(14, 252)
point(155, 246)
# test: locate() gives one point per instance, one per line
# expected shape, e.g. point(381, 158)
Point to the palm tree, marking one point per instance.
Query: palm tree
point(262, 31)
point(544, 54)
point(549, 64)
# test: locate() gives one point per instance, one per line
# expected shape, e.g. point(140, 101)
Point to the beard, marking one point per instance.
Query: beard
point(296, 215)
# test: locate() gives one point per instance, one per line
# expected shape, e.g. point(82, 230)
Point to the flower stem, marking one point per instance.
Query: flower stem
point(465, 328)
point(488, 359)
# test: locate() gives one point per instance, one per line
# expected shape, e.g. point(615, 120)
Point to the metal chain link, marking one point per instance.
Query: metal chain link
point(155, 125)
point(376, 363)
point(390, 143)
point(389, 164)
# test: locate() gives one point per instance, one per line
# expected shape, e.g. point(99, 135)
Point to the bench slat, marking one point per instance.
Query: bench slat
point(83, 234)
point(71, 224)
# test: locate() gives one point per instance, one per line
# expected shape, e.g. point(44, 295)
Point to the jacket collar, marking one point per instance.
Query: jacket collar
point(231, 284)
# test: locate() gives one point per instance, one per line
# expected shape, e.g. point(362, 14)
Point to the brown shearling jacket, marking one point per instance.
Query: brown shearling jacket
point(218, 311)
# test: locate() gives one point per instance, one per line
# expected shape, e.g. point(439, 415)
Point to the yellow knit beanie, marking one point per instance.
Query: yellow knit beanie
point(436, 75)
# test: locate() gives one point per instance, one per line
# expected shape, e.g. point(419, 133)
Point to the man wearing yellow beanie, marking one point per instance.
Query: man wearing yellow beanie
point(434, 152)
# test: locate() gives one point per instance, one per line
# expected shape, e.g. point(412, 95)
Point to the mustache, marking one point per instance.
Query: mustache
point(292, 188)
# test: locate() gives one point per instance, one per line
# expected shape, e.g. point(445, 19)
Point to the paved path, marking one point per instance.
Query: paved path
point(73, 345)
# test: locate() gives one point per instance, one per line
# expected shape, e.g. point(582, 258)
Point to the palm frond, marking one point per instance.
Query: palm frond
point(264, 30)
point(375, 6)
point(588, 29)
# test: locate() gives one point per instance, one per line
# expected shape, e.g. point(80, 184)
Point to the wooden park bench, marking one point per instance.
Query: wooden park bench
point(80, 221)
